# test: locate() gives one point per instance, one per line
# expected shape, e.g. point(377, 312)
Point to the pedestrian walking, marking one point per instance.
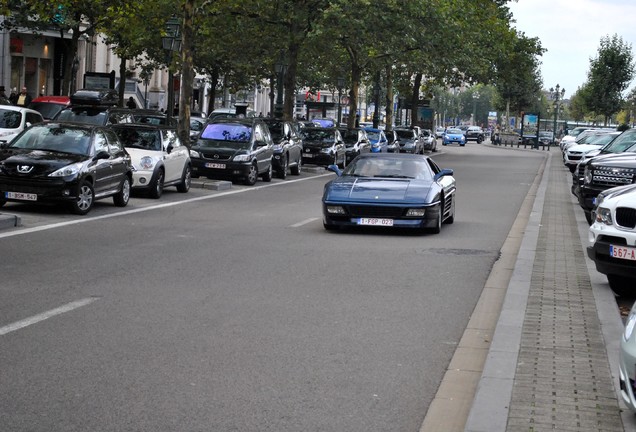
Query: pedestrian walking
point(131, 103)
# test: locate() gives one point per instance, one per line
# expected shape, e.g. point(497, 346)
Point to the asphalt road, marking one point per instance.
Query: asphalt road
point(236, 311)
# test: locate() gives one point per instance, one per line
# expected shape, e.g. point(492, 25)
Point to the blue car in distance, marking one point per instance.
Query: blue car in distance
point(378, 140)
point(454, 135)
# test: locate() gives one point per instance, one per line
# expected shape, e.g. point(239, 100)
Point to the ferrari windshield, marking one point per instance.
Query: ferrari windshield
point(390, 168)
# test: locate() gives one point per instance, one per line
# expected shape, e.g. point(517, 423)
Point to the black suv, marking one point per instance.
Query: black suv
point(234, 149)
point(288, 147)
point(97, 107)
point(61, 162)
point(604, 172)
point(475, 133)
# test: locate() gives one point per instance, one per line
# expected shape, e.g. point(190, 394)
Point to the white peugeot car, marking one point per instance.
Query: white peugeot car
point(158, 157)
point(14, 119)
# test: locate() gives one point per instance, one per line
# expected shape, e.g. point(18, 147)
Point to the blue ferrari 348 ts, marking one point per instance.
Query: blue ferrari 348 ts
point(390, 190)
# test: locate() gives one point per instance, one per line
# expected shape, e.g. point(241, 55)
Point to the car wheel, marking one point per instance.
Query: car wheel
point(267, 177)
point(282, 172)
point(438, 222)
point(622, 286)
point(443, 143)
point(451, 217)
point(252, 175)
point(186, 180)
point(156, 185)
point(121, 198)
point(295, 170)
point(85, 198)
point(588, 218)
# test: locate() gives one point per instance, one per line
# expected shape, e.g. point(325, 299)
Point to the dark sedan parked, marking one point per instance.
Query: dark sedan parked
point(324, 146)
point(356, 142)
point(234, 149)
point(410, 141)
point(390, 190)
point(288, 147)
point(70, 163)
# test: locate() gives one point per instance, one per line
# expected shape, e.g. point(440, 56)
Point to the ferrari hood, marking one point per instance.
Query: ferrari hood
point(378, 190)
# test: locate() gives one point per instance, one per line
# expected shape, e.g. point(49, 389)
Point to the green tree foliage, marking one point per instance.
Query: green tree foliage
point(609, 76)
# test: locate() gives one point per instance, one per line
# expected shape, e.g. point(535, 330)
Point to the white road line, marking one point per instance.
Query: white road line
point(144, 209)
point(46, 315)
point(305, 222)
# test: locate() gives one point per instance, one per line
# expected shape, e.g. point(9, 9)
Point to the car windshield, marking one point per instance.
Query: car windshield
point(453, 131)
point(406, 134)
point(47, 109)
point(349, 136)
point(389, 168)
point(10, 119)
point(83, 115)
point(141, 139)
point(622, 142)
point(59, 138)
point(373, 136)
point(276, 130)
point(602, 139)
point(227, 132)
point(324, 122)
point(326, 136)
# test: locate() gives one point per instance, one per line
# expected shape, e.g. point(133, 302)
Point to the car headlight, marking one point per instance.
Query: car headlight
point(277, 147)
point(629, 326)
point(242, 158)
point(67, 171)
point(146, 163)
point(338, 210)
point(416, 212)
point(325, 150)
point(603, 215)
point(194, 154)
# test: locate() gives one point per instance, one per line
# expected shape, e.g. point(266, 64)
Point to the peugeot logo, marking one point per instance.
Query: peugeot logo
point(25, 169)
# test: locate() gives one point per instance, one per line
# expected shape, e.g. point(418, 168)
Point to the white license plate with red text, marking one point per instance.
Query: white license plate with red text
point(623, 252)
point(21, 196)
point(375, 221)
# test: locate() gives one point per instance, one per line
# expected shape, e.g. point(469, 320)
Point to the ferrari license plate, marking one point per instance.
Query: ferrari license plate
point(623, 252)
point(375, 222)
point(21, 196)
point(215, 165)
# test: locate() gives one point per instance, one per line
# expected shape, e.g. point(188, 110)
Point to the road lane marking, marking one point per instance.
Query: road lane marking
point(305, 222)
point(46, 315)
point(153, 207)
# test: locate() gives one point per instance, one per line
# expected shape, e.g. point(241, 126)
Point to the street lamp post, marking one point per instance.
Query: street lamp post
point(475, 97)
point(341, 84)
point(556, 95)
point(281, 68)
point(171, 42)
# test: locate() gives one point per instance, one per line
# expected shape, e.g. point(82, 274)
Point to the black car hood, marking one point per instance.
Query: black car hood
point(620, 160)
point(220, 152)
point(379, 190)
point(43, 162)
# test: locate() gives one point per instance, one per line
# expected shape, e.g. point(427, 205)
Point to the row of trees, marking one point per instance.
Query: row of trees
point(413, 46)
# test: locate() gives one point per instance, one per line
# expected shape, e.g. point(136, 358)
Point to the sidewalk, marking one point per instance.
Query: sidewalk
point(553, 360)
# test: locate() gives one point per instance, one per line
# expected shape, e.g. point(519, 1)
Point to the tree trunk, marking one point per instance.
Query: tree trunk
point(389, 98)
point(187, 74)
point(289, 81)
point(122, 81)
point(356, 74)
point(415, 97)
point(214, 79)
